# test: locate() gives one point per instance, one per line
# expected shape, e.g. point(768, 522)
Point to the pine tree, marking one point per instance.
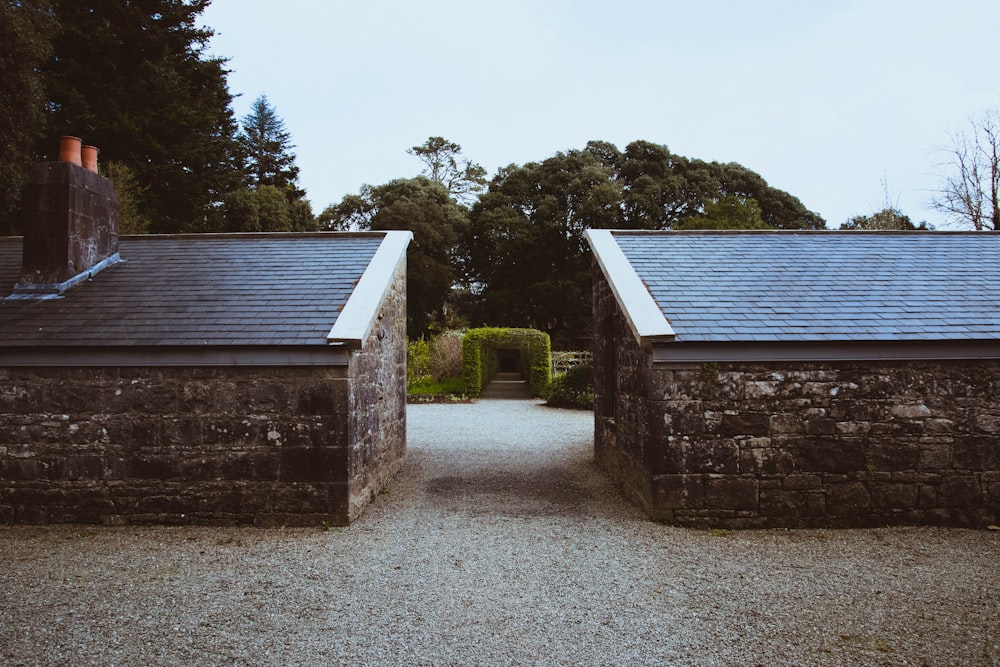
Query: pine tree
point(134, 79)
point(25, 30)
point(267, 149)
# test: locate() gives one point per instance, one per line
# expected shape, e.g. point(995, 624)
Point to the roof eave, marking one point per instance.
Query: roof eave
point(648, 324)
point(358, 317)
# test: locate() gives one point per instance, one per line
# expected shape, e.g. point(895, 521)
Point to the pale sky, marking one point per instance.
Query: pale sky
point(826, 100)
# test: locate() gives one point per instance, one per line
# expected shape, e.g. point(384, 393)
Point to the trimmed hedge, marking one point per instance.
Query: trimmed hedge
point(479, 359)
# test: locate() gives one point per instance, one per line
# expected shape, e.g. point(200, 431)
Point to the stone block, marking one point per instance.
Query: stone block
point(766, 460)
point(153, 466)
point(831, 455)
point(786, 424)
point(894, 496)
point(975, 452)
point(782, 503)
point(84, 466)
point(960, 491)
point(731, 493)
point(889, 456)
point(821, 427)
point(262, 397)
point(849, 499)
point(910, 411)
point(800, 482)
point(664, 456)
point(936, 457)
point(711, 456)
point(673, 492)
point(745, 424)
point(322, 398)
point(988, 423)
point(313, 464)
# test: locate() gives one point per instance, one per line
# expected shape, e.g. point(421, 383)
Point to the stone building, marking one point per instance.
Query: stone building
point(237, 379)
point(800, 378)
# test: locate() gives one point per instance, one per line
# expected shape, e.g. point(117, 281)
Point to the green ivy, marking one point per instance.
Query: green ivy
point(479, 359)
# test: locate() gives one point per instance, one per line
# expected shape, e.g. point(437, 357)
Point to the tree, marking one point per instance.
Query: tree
point(526, 260)
point(134, 79)
point(970, 195)
point(266, 208)
point(660, 188)
point(426, 208)
point(267, 147)
point(729, 212)
point(24, 33)
point(443, 163)
point(525, 256)
point(888, 219)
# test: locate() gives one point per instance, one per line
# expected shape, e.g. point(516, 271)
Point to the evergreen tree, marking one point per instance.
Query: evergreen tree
point(267, 149)
point(25, 30)
point(134, 79)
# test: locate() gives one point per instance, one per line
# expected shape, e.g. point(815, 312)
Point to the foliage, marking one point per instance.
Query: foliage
point(428, 386)
point(266, 209)
point(418, 359)
point(266, 147)
point(888, 219)
point(573, 389)
point(24, 33)
point(729, 212)
point(131, 219)
point(659, 188)
point(442, 163)
point(525, 257)
point(479, 357)
point(434, 367)
point(134, 79)
point(970, 195)
point(437, 221)
point(446, 356)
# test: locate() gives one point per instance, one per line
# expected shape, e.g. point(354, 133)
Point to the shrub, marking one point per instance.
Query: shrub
point(445, 359)
point(418, 360)
point(573, 389)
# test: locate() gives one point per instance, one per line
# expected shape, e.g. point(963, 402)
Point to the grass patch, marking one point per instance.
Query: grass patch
point(428, 390)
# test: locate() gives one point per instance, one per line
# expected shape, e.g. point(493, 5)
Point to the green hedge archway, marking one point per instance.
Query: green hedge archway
point(479, 356)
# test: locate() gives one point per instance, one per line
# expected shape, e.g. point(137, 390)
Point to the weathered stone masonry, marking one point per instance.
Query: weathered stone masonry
point(274, 445)
point(847, 443)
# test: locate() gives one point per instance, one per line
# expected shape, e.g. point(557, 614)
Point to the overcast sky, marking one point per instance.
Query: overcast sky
point(826, 100)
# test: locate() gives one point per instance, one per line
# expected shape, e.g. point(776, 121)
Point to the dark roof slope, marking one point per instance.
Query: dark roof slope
point(821, 286)
point(204, 290)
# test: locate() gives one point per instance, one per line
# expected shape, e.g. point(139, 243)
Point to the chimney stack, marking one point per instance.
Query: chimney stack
point(70, 225)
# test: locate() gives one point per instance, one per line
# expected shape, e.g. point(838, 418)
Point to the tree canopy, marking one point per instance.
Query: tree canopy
point(889, 218)
point(443, 162)
point(525, 258)
point(134, 79)
point(270, 199)
point(24, 33)
point(426, 208)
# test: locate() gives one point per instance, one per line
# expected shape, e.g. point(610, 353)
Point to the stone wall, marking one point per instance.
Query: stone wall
point(801, 444)
point(377, 401)
point(234, 445)
point(265, 446)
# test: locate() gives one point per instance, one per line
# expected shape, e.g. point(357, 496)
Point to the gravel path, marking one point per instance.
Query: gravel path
point(499, 543)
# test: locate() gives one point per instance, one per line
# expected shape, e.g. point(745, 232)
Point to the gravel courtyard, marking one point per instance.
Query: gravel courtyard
point(500, 543)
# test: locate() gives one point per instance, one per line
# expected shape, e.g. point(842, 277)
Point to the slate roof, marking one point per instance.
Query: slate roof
point(204, 290)
point(821, 286)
